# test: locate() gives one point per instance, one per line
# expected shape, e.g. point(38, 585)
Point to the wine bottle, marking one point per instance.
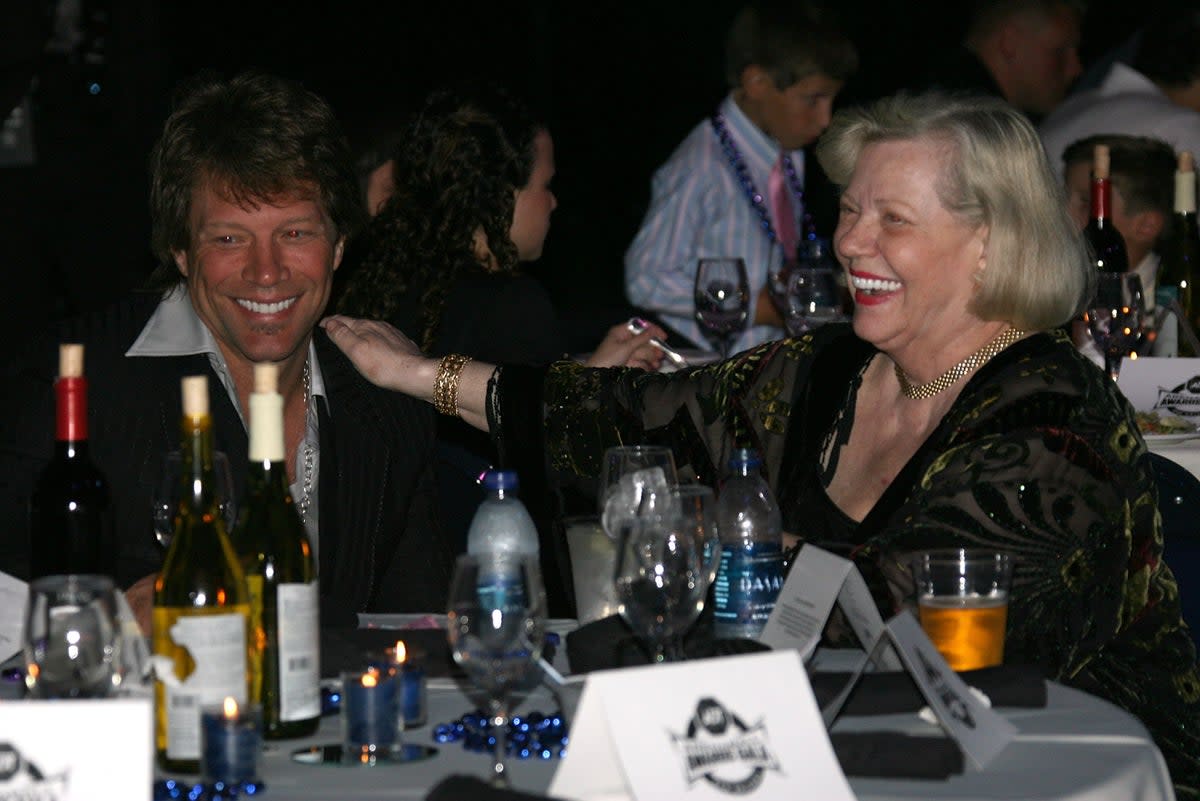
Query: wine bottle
point(1105, 241)
point(201, 605)
point(278, 561)
point(72, 524)
point(1181, 255)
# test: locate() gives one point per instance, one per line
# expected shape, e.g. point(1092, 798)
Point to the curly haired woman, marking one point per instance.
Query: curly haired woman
point(442, 262)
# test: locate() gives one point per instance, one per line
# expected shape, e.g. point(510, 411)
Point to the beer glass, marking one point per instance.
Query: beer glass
point(962, 600)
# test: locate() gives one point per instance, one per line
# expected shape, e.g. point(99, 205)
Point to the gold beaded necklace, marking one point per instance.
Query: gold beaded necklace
point(948, 378)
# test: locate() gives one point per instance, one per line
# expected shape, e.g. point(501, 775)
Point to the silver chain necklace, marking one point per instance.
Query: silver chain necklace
point(306, 480)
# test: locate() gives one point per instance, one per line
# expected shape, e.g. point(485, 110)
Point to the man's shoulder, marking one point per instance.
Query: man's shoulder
point(350, 393)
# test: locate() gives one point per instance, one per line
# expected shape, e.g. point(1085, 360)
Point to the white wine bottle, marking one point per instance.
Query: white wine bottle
point(277, 558)
point(201, 604)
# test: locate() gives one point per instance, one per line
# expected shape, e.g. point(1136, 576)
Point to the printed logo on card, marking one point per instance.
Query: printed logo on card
point(955, 704)
point(21, 779)
point(1184, 400)
point(721, 749)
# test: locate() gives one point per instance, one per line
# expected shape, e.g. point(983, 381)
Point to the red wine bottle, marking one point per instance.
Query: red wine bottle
point(1104, 240)
point(1181, 255)
point(72, 529)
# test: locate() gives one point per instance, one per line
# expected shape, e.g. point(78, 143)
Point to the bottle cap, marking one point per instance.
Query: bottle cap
point(745, 457)
point(501, 480)
point(70, 361)
point(1100, 161)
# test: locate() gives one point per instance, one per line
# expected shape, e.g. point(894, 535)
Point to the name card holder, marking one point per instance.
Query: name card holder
point(817, 581)
point(702, 730)
point(1162, 385)
point(85, 750)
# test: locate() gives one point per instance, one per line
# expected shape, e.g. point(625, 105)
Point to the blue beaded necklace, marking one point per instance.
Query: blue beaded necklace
point(743, 175)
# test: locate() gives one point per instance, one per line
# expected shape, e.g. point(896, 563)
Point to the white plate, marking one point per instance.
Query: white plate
point(1168, 439)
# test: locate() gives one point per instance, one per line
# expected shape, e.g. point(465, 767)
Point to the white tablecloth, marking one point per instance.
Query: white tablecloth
point(1186, 453)
point(1079, 747)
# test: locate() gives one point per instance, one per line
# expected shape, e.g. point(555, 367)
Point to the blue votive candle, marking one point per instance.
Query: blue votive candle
point(369, 714)
point(231, 737)
point(412, 686)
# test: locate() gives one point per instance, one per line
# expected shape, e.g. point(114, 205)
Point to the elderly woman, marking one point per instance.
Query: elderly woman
point(950, 413)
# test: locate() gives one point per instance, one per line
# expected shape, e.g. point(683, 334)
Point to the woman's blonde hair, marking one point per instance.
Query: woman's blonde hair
point(1036, 275)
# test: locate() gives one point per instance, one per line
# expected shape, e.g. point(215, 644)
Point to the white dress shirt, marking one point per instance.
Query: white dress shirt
point(176, 330)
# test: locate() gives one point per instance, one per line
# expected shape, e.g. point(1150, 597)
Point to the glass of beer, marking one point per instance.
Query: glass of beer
point(962, 599)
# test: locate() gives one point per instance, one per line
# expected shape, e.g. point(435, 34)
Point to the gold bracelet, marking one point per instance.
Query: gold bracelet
point(445, 386)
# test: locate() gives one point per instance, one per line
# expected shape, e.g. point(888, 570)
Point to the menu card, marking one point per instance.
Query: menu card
point(703, 730)
point(84, 750)
point(14, 598)
point(819, 579)
point(1162, 385)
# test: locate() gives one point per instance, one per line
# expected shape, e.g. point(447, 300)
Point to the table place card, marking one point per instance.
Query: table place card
point(979, 731)
point(14, 598)
point(705, 729)
point(86, 750)
point(817, 580)
point(1156, 384)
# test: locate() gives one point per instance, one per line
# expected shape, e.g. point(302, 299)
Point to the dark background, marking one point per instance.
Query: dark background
point(619, 85)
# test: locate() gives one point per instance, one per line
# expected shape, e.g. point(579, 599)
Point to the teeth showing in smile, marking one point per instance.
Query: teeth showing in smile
point(266, 308)
point(874, 284)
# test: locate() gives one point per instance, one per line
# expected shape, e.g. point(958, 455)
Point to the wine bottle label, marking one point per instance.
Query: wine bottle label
point(215, 647)
point(299, 656)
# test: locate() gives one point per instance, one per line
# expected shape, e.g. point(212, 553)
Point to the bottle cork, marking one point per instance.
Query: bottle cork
point(70, 361)
point(195, 396)
point(1185, 184)
point(266, 415)
point(1100, 162)
point(266, 378)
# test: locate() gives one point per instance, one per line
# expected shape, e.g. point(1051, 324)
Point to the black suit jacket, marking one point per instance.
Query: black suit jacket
point(380, 547)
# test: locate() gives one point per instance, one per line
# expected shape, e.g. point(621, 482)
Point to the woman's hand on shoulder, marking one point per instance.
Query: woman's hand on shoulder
point(385, 356)
point(622, 348)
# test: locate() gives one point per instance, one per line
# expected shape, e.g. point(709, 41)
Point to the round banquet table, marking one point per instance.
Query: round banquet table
point(1077, 747)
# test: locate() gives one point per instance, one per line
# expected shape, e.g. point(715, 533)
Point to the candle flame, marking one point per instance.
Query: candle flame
point(231, 707)
point(370, 678)
point(401, 652)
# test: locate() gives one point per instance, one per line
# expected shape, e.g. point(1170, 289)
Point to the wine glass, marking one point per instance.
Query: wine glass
point(814, 298)
point(1115, 317)
point(661, 579)
point(697, 504)
point(71, 640)
point(165, 503)
point(496, 627)
point(722, 296)
point(628, 470)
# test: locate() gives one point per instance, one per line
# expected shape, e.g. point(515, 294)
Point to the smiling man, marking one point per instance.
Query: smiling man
point(735, 186)
point(253, 197)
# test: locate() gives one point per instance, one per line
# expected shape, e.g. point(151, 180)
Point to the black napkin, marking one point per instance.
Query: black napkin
point(891, 693)
point(469, 788)
point(609, 643)
point(894, 755)
point(344, 649)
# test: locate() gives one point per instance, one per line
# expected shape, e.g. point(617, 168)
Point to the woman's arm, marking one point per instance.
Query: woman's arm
point(391, 360)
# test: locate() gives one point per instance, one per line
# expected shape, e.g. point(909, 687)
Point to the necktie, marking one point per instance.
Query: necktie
point(782, 210)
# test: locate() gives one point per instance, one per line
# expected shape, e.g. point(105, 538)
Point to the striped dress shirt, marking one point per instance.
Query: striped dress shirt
point(698, 209)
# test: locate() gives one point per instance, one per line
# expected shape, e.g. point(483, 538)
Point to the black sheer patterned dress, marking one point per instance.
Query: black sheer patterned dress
point(1038, 456)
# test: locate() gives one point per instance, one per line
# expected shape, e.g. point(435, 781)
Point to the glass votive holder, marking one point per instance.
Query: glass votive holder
point(405, 666)
point(370, 714)
point(231, 738)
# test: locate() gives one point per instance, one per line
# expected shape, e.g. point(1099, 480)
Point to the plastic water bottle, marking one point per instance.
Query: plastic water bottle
point(502, 523)
point(750, 573)
point(502, 526)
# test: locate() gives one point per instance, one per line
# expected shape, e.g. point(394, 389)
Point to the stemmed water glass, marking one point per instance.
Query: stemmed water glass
point(661, 579)
point(496, 627)
point(71, 639)
point(628, 471)
point(813, 298)
point(1115, 318)
point(165, 503)
point(722, 295)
